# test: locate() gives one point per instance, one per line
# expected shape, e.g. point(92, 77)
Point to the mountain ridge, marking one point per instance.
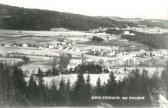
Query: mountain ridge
point(19, 18)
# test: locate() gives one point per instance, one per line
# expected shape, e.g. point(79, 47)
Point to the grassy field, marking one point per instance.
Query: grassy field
point(42, 36)
point(10, 61)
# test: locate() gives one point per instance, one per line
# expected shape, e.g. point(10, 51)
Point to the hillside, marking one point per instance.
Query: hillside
point(12, 17)
point(140, 21)
point(152, 40)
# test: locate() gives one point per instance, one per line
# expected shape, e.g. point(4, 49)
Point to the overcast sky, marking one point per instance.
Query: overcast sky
point(151, 9)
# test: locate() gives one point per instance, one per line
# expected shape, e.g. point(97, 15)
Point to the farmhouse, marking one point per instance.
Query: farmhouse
point(50, 46)
point(112, 53)
point(25, 45)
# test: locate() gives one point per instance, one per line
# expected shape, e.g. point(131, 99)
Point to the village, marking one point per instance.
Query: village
point(112, 53)
point(102, 53)
point(51, 45)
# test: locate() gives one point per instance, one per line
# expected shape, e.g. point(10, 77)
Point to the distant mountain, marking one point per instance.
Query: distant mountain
point(12, 17)
point(126, 19)
point(147, 22)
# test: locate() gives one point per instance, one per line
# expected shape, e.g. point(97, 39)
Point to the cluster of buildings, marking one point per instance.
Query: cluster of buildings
point(141, 57)
point(99, 29)
point(127, 32)
point(151, 53)
point(66, 45)
point(144, 29)
point(113, 52)
point(14, 44)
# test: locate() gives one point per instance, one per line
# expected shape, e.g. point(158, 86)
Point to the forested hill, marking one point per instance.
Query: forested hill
point(12, 17)
point(153, 40)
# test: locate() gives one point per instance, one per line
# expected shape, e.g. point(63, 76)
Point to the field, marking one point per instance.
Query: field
point(40, 57)
point(12, 36)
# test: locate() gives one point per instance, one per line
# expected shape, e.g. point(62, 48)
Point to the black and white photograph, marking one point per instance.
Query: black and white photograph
point(84, 53)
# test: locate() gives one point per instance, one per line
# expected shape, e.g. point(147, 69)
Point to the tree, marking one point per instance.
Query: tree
point(145, 86)
point(19, 83)
point(79, 96)
point(83, 58)
point(125, 69)
point(53, 94)
point(62, 84)
point(137, 84)
point(68, 86)
point(12, 86)
point(55, 71)
point(68, 90)
point(132, 80)
point(6, 85)
point(88, 84)
point(64, 60)
point(88, 88)
point(89, 68)
point(54, 61)
point(41, 88)
point(110, 62)
point(111, 84)
point(101, 62)
point(164, 80)
point(98, 87)
point(32, 90)
point(18, 79)
point(40, 78)
point(106, 70)
point(63, 94)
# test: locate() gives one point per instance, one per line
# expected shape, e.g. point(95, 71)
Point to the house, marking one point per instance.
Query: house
point(7, 44)
point(126, 32)
point(25, 45)
point(132, 34)
point(112, 53)
point(142, 51)
point(77, 49)
point(64, 43)
point(50, 46)
point(60, 47)
point(32, 45)
point(54, 44)
point(42, 45)
point(73, 43)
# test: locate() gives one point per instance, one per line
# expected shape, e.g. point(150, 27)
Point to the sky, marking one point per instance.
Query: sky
point(148, 9)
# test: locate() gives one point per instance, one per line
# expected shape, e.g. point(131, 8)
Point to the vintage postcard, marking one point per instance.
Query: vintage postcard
point(84, 53)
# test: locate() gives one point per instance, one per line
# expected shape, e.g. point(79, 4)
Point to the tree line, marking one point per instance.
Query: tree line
point(152, 40)
point(164, 82)
point(15, 91)
point(89, 68)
